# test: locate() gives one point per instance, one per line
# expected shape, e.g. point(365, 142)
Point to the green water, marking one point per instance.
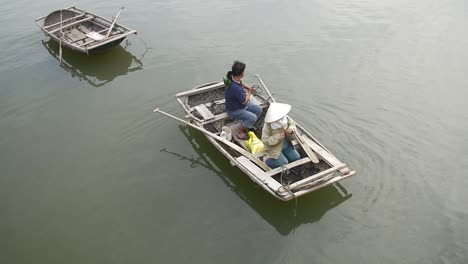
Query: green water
point(89, 174)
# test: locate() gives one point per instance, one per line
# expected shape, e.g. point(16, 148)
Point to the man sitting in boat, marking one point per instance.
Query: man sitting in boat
point(238, 105)
point(276, 135)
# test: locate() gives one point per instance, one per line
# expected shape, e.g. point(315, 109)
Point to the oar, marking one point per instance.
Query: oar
point(306, 148)
point(242, 151)
point(300, 139)
point(113, 22)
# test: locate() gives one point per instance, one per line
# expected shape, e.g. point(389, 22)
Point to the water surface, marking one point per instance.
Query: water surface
point(88, 174)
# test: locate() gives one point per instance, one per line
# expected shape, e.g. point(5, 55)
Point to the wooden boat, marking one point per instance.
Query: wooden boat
point(317, 167)
point(83, 31)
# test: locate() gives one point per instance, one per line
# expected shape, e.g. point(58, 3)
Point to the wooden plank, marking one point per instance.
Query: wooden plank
point(258, 173)
point(200, 90)
point(70, 24)
point(85, 37)
point(222, 101)
point(204, 112)
point(315, 176)
point(72, 35)
point(66, 20)
point(87, 43)
point(289, 166)
point(308, 189)
point(327, 156)
point(216, 118)
point(76, 34)
point(107, 20)
point(113, 38)
point(72, 38)
point(83, 29)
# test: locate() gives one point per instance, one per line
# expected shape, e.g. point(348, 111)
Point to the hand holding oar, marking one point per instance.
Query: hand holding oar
point(242, 151)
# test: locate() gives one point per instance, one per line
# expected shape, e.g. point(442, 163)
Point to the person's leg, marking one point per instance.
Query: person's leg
point(247, 120)
point(290, 152)
point(246, 117)
point(275, 163)
point(255, 108)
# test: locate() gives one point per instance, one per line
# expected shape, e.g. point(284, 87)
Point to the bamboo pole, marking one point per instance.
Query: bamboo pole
point(113, 22)
point(66, 20)
point(69, 25)
point(242, 151)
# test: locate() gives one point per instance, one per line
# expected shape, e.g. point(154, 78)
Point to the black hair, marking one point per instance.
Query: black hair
point(238, 68)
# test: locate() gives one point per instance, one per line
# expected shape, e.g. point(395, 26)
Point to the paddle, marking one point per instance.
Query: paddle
point(306, 147)
point(242, 151)
point(113, 22)
point(300, 139)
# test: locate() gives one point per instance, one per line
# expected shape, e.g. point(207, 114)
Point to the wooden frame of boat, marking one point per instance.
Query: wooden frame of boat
point(83, 31)
point(204, 108)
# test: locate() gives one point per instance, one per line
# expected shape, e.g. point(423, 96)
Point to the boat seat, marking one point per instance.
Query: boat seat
point(83, 29)
point(75, 35)
point(204, 112)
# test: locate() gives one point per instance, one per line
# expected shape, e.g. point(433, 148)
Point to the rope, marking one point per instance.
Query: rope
point(128, 43)
point(147, 47)
point(284, 190)
point(257, 89)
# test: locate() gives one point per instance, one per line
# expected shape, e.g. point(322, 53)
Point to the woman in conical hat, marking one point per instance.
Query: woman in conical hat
point(278, 126)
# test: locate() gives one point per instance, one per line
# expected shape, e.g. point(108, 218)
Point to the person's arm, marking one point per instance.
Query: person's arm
point(291, 126)
point(268, 138)
point(249, 92)
point(247, 87)
point(247, 97)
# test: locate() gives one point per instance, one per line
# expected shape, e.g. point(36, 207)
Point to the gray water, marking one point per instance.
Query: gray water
point(89, 174)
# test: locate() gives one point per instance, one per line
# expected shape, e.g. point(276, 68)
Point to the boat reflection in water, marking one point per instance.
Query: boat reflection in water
point(98, 69)
point(284, 217)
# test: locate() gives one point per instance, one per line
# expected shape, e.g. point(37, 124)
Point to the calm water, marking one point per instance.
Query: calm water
point(88, 174)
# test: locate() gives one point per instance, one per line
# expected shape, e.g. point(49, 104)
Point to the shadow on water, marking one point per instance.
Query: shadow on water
point(285, 217)
point(97, 69)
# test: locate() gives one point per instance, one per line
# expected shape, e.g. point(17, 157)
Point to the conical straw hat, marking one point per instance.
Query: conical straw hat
point(276, 111)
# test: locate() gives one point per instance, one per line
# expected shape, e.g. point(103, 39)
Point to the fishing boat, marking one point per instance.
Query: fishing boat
point(204, 108)
point(83, 31)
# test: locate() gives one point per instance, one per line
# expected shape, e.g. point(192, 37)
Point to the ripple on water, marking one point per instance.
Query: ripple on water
point(358, 139)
